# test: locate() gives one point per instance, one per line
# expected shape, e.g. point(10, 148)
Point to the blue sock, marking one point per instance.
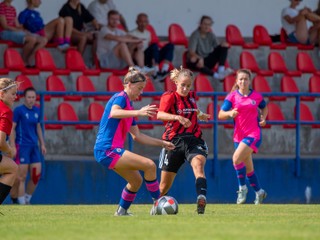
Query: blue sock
point(253, 180)
point(127, 197)
point(241, 173)
point(153, 188)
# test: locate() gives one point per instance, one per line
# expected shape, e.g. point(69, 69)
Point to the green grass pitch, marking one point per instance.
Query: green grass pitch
point(221, 221)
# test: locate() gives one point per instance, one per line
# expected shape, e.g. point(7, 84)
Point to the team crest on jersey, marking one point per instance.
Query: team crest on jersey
point(179, 111)
point(253, 102)
point(192, 100)
point(118, 150)
point(36, 115)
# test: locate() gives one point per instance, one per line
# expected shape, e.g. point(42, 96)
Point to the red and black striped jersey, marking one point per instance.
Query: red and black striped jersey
point(173, 103)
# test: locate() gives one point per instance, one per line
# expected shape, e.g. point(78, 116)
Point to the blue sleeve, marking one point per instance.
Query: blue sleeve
point(16, 115)
point(134, 123)
point(262, 104)
point(120, 101)
point(226, 105)
point(23, 17)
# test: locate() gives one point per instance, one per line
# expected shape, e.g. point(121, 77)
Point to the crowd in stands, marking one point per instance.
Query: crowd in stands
point(117, 47)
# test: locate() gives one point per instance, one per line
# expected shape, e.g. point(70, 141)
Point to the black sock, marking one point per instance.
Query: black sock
point(4, 191)
point(201, 186)
point(14, 200)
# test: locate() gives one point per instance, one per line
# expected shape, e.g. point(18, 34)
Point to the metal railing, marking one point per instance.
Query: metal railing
point(215, 120)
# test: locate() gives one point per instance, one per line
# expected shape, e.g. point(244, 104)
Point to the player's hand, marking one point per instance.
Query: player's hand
point(148, 111)
point(43, 149)
point(204, 117)
point(168, 145)
point(12, 152)
point(184, 121)
point(234, 112)
point(262, 122)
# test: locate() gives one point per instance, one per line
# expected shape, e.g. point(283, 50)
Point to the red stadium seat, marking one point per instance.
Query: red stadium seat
point(95, 111)
point(234, 38)
point(177, 35)
point(48, 126)
point(154, 37)
point(305, 63)
point(149, 88)
point(169, 85)
point(84, 84)
point(306, 115)
point(67, 113)
point(288, 85)
point(44, 62)
point(262, 37)
point(260, 84)
point(248, 61)
point(202, 84)
point(210, 111)
point(13, 62)
point(55, 84)
point(114, 84)
point(75, 62)
point(314, 84)
point(275, 114)
point(277, 64)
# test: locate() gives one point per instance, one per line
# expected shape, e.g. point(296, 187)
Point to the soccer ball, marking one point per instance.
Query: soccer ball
point(166, 205)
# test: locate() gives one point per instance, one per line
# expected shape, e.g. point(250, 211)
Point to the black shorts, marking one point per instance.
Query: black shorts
point(187, 147)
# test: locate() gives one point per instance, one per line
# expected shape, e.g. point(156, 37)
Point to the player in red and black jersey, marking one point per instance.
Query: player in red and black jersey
point(180, 113)
point(8, 168)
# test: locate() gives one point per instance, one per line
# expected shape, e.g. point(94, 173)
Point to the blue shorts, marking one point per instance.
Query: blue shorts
point(14, 36)
point(108, 158)
point(253, 143)
point(28, 154)
point(292, 38)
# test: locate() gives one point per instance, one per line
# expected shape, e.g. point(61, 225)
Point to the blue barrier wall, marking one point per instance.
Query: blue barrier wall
point(86, 182)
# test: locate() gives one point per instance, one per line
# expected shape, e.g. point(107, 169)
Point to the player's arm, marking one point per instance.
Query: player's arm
point(147, 111)
point(41, 139)
point(4, 146)
point(263, 116)
point(227, 111)
point(12, 138)
point(164, 116)
point(145, 139)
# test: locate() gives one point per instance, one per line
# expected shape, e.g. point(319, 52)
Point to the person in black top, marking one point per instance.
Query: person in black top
point(180, 113)
point(81, 16)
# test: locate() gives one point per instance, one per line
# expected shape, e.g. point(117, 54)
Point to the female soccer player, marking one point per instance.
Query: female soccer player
point(249, 111)
point(116, 122)
point(180, 113)
point(8, 168)
point(26, 133)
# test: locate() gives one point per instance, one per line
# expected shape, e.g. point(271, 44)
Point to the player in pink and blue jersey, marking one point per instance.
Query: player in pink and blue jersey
point(116, 122)
point(249, 111)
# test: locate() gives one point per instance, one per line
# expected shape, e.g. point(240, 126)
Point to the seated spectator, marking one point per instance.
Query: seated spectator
point(80, 15)
point(100, 8)
point(116, 49)
point(294, 22)
point(59, 30)
point(11, 30)
point(153, 55)
point(205, 51)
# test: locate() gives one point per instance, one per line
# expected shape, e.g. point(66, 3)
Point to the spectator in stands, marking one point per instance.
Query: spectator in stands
point(116, 49)
point(118, 119)
point(11, 30)
point(100, 8)
point(294, 22)
point(181, 114)
point(153, 55)
point(8, 168)
point(80, 16)
point(59, 30)
point(245, 107)
point(25, 135)
point(205, 51)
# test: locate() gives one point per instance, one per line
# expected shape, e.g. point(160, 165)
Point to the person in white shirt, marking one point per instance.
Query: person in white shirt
point(116, 49)
point(294, 21)
point(100, 8)
point(153, 55)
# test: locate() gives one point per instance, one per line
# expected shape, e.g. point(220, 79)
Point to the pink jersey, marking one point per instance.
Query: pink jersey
point(247, 121)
